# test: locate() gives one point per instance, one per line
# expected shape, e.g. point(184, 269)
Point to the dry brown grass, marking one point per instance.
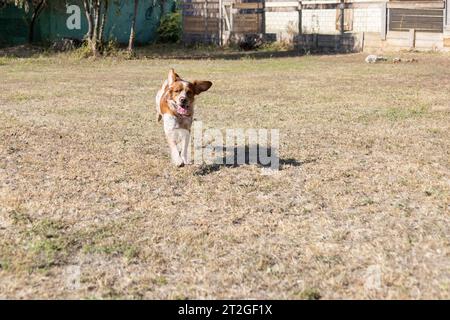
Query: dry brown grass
point(85, 181)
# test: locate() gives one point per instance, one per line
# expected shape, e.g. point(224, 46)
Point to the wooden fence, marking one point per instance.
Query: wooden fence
point(201, 21)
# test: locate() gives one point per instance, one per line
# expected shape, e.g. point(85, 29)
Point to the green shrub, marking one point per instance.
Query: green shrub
point(170, 28)
point(82, 52)
point(111, 48)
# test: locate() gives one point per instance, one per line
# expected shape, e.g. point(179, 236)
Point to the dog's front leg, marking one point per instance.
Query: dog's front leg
point(185, 135)
point(174, 153)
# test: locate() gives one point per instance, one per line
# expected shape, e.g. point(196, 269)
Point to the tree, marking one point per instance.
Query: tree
point(35, 6)
point(96, 12)
point(103, 22)
point(38, 6)
point(133, 25)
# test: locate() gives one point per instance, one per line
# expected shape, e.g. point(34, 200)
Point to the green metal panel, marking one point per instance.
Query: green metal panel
point(147, 21)
point(13, 26)
point(51, 24)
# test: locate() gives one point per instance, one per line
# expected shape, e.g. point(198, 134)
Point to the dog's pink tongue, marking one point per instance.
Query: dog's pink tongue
point(181, 110)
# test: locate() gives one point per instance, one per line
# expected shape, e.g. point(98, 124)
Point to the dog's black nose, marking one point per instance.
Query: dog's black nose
point(182, 100)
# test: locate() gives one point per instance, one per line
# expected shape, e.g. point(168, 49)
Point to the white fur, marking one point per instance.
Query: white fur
point(176, 134)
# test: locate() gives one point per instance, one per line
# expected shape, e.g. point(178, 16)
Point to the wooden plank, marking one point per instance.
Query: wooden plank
point(282, 4)
point(420, 12)
point(407, 24)
point(248, 5)
point(282, 9)
point(419, 19)
point(347, 21)
point(412, 38)
point(447, 42)
point(250, 16)
point(246, 23)
point(416, 5)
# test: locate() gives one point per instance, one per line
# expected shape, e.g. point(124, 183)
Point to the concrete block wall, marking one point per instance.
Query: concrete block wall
point(281, 22)
point(324, 21)
point(321, 21)
point(367, 19)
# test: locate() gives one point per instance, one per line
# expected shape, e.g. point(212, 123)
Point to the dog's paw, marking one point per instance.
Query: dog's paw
point(178, 162)
point(185, 161)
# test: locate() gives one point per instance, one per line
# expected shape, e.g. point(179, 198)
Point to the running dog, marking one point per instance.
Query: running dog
point(175, 106)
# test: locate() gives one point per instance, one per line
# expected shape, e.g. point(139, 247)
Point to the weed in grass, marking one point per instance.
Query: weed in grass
point(310, 294)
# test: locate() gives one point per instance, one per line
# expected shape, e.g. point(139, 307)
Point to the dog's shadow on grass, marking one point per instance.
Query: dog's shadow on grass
point(264, 157)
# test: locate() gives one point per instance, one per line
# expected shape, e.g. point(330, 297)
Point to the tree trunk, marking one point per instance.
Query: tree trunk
point(102, 25)
point(94, 13)
point(36, 12)
point(98, 8)
point(88, 12)
point(133, 25)
point(96, 17)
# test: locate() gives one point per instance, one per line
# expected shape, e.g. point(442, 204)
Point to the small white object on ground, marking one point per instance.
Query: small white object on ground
point(372, 58)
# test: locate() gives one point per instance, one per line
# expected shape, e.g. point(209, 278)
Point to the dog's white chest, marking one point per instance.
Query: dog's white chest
point(172, 122)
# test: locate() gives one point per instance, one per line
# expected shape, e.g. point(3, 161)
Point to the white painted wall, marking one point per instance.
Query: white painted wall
point(277, 22)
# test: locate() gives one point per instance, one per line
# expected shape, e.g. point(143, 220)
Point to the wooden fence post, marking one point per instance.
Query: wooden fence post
point(340, 41)
point(263, 17)
point(221, 23)
point(384, 14)
point(231, 18)
point(361, 41)
point(412, 38)
point(447, 15)
point(300, 22)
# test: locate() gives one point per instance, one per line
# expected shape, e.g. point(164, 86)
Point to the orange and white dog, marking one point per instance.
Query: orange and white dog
point(175, 105)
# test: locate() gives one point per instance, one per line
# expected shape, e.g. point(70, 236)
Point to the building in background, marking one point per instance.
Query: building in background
point(369, 25)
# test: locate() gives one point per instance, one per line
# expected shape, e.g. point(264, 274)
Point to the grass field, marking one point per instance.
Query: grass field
point(92, 208)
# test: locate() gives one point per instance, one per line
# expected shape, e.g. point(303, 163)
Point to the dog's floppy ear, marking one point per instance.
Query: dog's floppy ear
point(172, 77)
point(200, 86)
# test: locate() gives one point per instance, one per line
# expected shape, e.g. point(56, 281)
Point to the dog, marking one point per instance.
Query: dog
point(175, 106)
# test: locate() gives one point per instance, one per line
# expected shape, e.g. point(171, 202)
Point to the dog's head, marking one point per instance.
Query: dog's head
point(181, 93)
